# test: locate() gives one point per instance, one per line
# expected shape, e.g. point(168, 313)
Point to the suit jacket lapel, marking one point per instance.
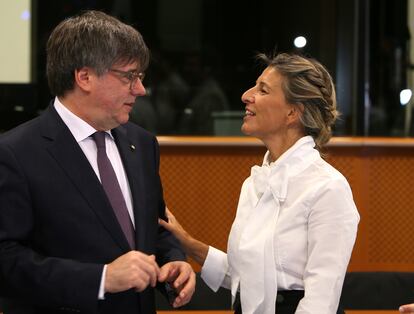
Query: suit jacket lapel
point(131, 154)
point(71, 158)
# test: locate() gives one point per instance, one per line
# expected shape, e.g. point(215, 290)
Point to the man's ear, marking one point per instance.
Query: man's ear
point(83, 78)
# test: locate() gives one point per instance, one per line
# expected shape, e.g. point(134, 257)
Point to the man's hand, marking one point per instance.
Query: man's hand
point(182, 278)
point(132, 270)
point(408, 308)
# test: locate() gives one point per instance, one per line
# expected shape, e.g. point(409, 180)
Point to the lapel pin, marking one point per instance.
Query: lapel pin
point(132, 147)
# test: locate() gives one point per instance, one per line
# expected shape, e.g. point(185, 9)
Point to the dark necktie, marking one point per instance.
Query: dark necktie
point(112, 189)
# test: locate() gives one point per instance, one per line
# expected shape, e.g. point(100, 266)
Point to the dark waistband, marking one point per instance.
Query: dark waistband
point(283, 297)
point(289, 296)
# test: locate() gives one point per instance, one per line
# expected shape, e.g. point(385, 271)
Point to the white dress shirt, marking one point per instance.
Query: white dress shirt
point(82, 132)
point(295, 228)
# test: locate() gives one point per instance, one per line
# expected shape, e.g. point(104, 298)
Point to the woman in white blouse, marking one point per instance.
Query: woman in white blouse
point(296, 221)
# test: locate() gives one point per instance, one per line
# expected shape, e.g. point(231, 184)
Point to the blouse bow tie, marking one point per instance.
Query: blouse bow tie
point(253, 231)
point(273, 177)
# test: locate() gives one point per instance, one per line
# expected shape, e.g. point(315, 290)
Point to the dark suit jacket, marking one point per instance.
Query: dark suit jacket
point(57, 228)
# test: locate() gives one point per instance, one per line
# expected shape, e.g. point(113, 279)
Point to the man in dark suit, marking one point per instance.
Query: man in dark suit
point(74, 235)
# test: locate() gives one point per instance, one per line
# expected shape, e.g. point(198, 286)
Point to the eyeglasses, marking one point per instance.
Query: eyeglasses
point(130, 76)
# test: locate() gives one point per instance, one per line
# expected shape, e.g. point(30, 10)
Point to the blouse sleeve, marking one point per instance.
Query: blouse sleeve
point(215, 270)
point(332, 227)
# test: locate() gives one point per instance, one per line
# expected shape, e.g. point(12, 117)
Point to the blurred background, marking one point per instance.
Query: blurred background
point(203, 58)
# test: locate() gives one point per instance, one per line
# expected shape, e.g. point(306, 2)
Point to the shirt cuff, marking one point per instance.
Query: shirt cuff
point(101, 294)
point(214, 268)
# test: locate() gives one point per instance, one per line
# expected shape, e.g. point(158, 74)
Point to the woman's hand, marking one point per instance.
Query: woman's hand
point(196, 249)
point(173, 226)
point(408, 308)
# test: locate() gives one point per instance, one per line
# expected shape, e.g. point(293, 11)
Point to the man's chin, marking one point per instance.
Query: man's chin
point(123, 119)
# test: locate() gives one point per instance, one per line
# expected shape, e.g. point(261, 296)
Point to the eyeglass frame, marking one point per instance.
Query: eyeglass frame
point(131, 76)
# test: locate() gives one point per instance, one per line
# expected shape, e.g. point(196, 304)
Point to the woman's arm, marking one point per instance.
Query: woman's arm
point(193, 247)
point(214, 263)
point(332, 228)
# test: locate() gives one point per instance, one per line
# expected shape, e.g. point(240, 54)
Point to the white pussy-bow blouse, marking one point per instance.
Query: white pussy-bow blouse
point(295, 228)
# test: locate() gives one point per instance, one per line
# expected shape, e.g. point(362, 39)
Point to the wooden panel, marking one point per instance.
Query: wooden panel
point(202, 185)
point(202, 178)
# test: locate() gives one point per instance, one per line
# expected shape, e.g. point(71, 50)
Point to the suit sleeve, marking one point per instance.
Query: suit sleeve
point(24, 271)
point(168, 247)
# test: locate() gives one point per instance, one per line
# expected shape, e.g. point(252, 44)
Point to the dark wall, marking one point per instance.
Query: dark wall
point(356, 40)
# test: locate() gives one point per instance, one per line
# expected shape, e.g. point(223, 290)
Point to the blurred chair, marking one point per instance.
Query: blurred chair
point(377, 290)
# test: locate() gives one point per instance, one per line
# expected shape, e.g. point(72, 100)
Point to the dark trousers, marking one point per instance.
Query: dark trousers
point(286, 302)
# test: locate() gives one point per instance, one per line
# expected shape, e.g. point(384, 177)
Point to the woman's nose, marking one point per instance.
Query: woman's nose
point(248, 96)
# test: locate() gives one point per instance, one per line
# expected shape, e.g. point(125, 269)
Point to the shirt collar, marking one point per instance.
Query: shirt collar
point(78, 127)
point(306, 141)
